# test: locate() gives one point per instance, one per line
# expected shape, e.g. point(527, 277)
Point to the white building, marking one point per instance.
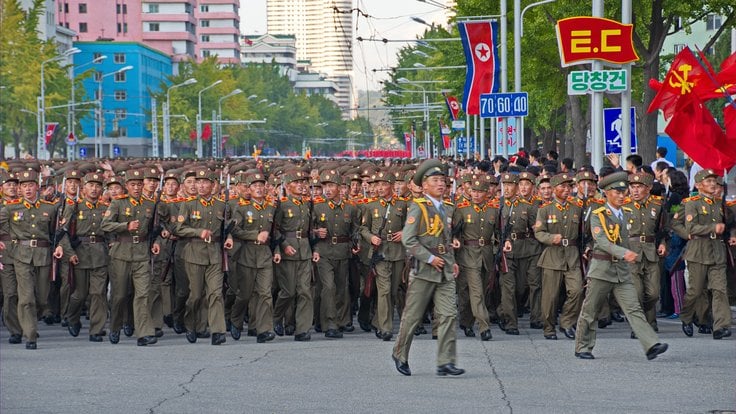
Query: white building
point(268, 48)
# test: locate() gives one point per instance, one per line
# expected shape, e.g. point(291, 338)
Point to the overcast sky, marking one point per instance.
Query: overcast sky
point(390, 19)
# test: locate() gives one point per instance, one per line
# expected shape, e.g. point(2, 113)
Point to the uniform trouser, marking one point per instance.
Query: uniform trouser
point(65, 289)
point(10, 299)
point(470, 281)
point(551, 280)
point(316, 295)
point(388, 277)
point(335, 298)
point(295, 279)
point(646, 283)
point(167, 300)
point(181, 291)
point(122, 275)
point(597, 293)
point(229, 294)
point(713, 278)
point(534, 280)
point(241, 286)
point(607, 307)
point(513, 284)
point(155, 298)
point(418, 294)
point(255, 293)
point(92, 284)
point(205, 284)
point(366, 303)
point(33, 291)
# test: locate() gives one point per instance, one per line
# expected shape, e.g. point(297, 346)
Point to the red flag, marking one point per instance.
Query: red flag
point(717, 84)
point(193, 134)
point(207, 132)
point(481, 56)
point(407, 141)
point(50, 129)
point(684, 74)
point(452, 105)
point(444, 132)
point(729, 118)
point(247, 41)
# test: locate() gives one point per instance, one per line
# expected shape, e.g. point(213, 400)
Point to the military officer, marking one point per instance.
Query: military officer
point(60, 292)
point(610, 272)
point(9, 185)
point(706, 255)
point(89, 259)
point(557, 227)
point(427, 235)
point(532, 277)
point(128, 218)
point(162, 302)
point(188, 190)
point(199, 221)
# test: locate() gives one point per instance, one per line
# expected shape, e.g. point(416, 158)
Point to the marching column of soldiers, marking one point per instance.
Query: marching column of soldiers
point(292, 247)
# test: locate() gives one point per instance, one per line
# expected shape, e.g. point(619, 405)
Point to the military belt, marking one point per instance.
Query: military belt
point(91, 239)
point(294, 234)
point(211, 239)
point(605, 257)
point(568, 242)
point(477, 242)
point(5, 237)
point(711, 236)
point(439, 250)
point(257, 242)
point(33, 243)
point(130, 239)
point(642, 239)
point(339, 239)
point(520, 236)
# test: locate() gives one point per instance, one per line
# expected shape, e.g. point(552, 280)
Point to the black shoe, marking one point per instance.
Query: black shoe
point(402, 367)
point(179, 328)
point(147, 340)
point(333, 333)
point(602, 323)
point(449, 369)
point(421, 330)
point(303, 337)
point(218, 338)
point(169, 321)
point(252, 332)
point(434, 337)
point(74, 329)
point(49, 320)
point(655, 350)
point(265, 337)
point(721, 333)
point(235, 333)
point(633, 335)
point(128, 330)
point(278, 328)
point(469, 332)
point(552, 337)
point(536, 325)
point(378, 334)
point(348, 328)
point(318, 328)
point(512, 331)
point(114, 337)
point(95, 338)
point(584, 355)
point(65, 323)
point(228, 325)
point(687, 328)
point(15, 339)
point(386, 336)
point(30, 345)
point(486, 335)
point(158, 332)
point(191, 337)
point(705, 329)
point(57, 318)
point(569, 332)
point(501, 324)
point(289, 330)
point(203, 335)
point(617, 316)
point(366, 327)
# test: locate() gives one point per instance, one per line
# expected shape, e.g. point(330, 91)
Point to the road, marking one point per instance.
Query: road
point(522, 374)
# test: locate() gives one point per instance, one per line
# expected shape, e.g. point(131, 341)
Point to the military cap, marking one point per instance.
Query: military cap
point(6, 177)
point(94, 178)
point(315, 182)
point(479, 184)
point(467, 178)
point(585, 175)
point(73, 175)
point(274, 180)
point(543, 178)
point(330, 176)
point(294, 175)
point(383, 176)
point(254, 178)
point(354, 175)
point(509, 178)
point(26, 176)
point(172, 175)
point(134, 175)
point(616, 181)
point(526, 175)
point(205, 174)
point(428, 168)
point(641, 178)
point(561, 178)
point(703, 174)
point(113, 180)
point(152, 173)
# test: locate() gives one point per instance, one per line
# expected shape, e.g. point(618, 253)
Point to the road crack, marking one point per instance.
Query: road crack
point(501, 386)
point(182, 385)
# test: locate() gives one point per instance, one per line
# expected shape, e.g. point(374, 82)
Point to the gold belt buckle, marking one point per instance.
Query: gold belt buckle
point(33, 243)
point(441, 249)
point(481, 242)
point(208, 239)
point(713, 235)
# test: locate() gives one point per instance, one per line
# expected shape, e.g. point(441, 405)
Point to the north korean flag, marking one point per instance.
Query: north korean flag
point(481, 55)
point(452, 105)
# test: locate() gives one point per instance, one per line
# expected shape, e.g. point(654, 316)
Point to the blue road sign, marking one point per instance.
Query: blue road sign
point(501, 105)
point(461, 145)
point(82, 152)
point(612, 127)
point(116, 151)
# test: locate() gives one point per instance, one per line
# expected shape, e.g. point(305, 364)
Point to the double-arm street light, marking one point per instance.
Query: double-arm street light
point(216, 144)
point(199, 117)
point(101, 118)
point(418, 84)
point(41, 152)
point(72, 114)
point(167, 117)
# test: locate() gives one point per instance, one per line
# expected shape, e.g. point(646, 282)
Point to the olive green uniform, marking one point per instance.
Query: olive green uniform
point(9, 283)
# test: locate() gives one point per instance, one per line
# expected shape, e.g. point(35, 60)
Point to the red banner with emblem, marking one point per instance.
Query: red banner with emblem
point(50, 129)
point(583, 39)
point(452, 105)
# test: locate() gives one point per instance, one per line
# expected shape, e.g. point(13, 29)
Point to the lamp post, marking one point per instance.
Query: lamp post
point(72, 114)
point(101, 119)
point(199, 117)
point(41, 104)
point(167, 120)
point(426, 108)
point(216, 145)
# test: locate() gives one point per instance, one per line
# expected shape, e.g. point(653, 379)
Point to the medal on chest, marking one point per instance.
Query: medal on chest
point(375, 213)
point(127, 212)
point(18, 216)
point(322, 217)
point(196, 215)
point(81, 215)
point(469, 219)
point(289, 213)
point(250, 217)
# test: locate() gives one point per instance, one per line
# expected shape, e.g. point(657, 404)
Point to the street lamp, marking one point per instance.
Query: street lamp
point(41, 104)
point(199, 116)
point(420, 21)
point(216, 145)
point(251, 97)
point(101, 119)
point(420, 53)
point(72, 114)
point(167, 120)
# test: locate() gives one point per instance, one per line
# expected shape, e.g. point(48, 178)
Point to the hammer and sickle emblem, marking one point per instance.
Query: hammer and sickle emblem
point(682, 83)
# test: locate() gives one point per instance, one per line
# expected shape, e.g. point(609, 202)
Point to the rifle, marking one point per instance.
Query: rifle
point(154, 225)
point(57, 232)
point(312, 239)
point(376, 257)
point(582, 234)
point(277, 203)
point(225, 229)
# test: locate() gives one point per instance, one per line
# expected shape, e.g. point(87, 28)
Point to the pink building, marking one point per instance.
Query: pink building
point(184, 29)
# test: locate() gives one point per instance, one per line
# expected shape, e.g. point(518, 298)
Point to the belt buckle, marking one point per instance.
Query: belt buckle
point(136, 240)
point(614, 259)
point(33, 243)
point(513, 236)
point(298, 234)
point(713, 235)
point(565, 242)
point(334, 239)
point(256, 241)
point(208, 239)
point(642, 239)
point(481, 242)
point(441, 249)
point(92, 240)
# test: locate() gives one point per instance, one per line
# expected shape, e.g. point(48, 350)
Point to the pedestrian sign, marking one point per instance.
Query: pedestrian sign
point(82, 152)
point(612, 127)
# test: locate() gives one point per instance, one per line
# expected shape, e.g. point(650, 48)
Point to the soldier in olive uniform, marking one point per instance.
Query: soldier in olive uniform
point(382, 225)
point(199, 221)
point(181, 281)
point(29, 222)
point(60, 292)
point(254, 219)
point(162, 302)
point(334, 221)
point(610, 272)
point(9, 185)
point(294, 280)
point(427, 235)
point(90, 259)
point(475, 218)
point(128, 218)
point(557, 227)
point(529, 273)
point(706, 255)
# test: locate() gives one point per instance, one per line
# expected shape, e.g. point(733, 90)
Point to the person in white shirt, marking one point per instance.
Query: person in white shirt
point(661, 154)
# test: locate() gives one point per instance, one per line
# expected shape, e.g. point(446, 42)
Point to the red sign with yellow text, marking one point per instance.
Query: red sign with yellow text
point(584, 39)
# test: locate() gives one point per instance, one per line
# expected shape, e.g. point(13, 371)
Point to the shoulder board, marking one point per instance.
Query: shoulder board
point(494, 203)
point(48, 202)
point(578, 202)
point(448, 202)
point(628, 200)
point(693, 198)
point(120, 197)
point(319, 200)
point(599, 210)
point(191, 198)
point(626, 209)
point(656, 197)
point(219, 198)
point(546, 203)
point(284, 199)
point(523, 200)
point(404, 198)
point(599, 201)
point(11, 202)
point(657, 200)
point(464, 204)
point(70, 202)
point(105, 203)
point(244, 202)
point(371, 199)
point(234, 196)
point(420, 200)
point(731, 203)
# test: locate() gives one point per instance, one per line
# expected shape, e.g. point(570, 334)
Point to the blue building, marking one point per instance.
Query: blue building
point(126, 96)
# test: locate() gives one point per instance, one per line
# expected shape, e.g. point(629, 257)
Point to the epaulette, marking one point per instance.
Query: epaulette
point(448, 202)
point(494, 203)
point(284, 199)
point(657, 200)
point(421, 200)
point(48, 202)
point(546, 203)
point(234, 196)
point(190, 198)
point(656, 197)
point(70, 202)
point(578, 202)
point(104, 203)
point(319, 200)
point(364, 200)
point(627, 209)
point(403, 198)
point(731, 203)
point(598, 201)
point(244, 202)
point(599, 210)
point(693, 198)
point(372, 199)
point(464, 204)
point(524, 200)
point(11, 202)
point(120, 197)
point(627, 200)
point(219, 198)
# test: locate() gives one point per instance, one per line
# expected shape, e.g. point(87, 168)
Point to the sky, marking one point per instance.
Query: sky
point(389, 19)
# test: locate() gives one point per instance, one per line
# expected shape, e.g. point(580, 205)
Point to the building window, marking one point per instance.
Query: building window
point(120, 76)
point(121, 113)
point(122, 131)
point(98, 76)
point(206, 53)
point(153, 8)
point(679, 47)
point(97, 93)
point(121, 9)
point(205, 38)
point(96, 57)
point(204, 8)
point(82, 27)
point(122, 27)
point(119, 58)
point(187, 8)
point(82, 8)
point(204, 23)
point(153, 27)
point(712, 22)
point(121, 95)
point(66, 7)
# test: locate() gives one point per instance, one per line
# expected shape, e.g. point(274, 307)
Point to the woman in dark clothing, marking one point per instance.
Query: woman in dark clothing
point(677, 189)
